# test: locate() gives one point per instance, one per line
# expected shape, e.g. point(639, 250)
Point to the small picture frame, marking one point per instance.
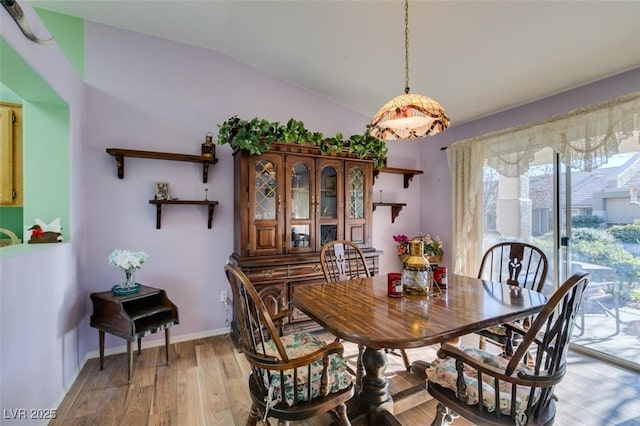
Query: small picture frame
point(162, 191)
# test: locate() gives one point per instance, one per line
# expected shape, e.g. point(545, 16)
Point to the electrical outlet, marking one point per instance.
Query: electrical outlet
point(224, 296)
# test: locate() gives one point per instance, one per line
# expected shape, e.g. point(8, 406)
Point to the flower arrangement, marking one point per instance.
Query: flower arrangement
point(402, 242)
point(127, 260)
point(432, 246)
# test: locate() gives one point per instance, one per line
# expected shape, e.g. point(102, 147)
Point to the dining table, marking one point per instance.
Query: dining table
point(360, 311)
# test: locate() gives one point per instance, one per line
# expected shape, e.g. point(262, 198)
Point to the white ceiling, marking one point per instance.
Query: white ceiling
point(475, 58)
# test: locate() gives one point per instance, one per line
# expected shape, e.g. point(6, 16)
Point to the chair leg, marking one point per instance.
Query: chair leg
point(341, 415)
point(444, 416)
point(508, 348)
point(405, 358)
point(254, 416)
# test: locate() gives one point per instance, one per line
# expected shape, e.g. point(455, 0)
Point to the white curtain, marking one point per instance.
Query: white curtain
point(584, 138)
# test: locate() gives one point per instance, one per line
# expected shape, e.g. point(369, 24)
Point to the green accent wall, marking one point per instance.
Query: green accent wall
point(20, 78)
point(45, 141)
point(69, 34)
point(46, 164)
point(10, 217)
point(46, 128)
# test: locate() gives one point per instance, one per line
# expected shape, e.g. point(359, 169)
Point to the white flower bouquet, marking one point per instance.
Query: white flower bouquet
point(127, 260)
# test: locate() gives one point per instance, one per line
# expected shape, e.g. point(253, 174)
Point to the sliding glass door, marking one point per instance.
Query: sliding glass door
point(601, 216)
point(583, 220)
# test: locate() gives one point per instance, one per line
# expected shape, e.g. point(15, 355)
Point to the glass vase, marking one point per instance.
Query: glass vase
point(128, 278)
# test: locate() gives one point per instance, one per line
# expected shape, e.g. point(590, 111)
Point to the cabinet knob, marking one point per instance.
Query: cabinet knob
point(317, 268)
point(267, 273)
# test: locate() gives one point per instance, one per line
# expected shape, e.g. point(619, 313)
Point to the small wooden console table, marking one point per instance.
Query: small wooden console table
point(132, 317)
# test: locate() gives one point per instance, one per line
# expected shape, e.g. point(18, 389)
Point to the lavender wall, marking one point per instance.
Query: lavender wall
point(153, 94)
point(40, 288)
point(437, 182)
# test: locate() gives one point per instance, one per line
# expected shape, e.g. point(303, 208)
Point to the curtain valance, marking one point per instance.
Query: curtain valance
point(585, 138)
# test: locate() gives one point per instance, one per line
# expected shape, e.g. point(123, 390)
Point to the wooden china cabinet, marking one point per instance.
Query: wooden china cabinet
point(290, 201)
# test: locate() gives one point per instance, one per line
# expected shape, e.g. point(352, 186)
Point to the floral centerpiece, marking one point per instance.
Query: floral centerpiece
point(432, 247)
point(128, 261)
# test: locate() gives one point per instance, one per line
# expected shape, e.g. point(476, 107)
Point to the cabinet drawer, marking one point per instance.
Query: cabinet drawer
point(277, 273)
point(305, 271)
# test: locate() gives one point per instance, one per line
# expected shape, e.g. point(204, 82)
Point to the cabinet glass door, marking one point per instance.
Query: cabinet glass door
point(358, 179)
point(301, 204)
point(329, 206)
point(264, 206)
point(265, 191)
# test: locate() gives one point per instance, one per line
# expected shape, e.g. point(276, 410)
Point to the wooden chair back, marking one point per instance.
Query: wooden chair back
point(343, 260)
point(280, 371)
point(515, 263)
point(547, 339)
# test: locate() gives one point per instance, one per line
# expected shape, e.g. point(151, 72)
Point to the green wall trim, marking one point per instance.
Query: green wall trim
point(69, 34)
point(20, 78)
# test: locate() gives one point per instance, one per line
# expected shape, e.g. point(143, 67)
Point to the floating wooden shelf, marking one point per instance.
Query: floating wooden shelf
point(160, 203)
point(120, 154)
point(395, 208)
point(407, 173)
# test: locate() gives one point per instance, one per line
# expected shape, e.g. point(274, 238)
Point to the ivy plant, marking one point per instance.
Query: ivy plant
point(257, 135)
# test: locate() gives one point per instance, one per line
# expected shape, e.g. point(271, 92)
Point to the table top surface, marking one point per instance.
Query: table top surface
point(360, 311)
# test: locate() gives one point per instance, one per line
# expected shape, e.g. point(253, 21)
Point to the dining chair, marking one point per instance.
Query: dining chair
point(343, 260)
point(600, 299)
point(515, 263)
point(511, 392)
point(293, 377)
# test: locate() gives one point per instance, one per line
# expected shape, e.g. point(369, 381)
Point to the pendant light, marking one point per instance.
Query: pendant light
point(408, 116)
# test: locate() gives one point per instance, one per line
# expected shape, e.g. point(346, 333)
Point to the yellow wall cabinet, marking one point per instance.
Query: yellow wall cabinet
point(10, 155)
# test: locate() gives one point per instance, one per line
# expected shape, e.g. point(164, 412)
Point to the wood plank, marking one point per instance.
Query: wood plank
point(64, 410)
point(190, 410)
point(164, 407)
point(144, 368)
point(235, 377)
point(113, 407)
point(212, 387)
point(206, 383)
point(138, 406)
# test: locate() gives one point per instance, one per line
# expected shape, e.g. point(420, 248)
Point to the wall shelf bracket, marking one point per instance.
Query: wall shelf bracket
point(159, 203)
point(395, 209)
point(408, 174)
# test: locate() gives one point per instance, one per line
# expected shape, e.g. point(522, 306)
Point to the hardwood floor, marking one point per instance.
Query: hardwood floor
point(205, 384)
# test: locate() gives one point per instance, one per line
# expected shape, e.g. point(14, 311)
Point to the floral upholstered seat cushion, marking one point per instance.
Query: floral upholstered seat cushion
point(501, 330)
point(297, 345)
point(443, 372)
